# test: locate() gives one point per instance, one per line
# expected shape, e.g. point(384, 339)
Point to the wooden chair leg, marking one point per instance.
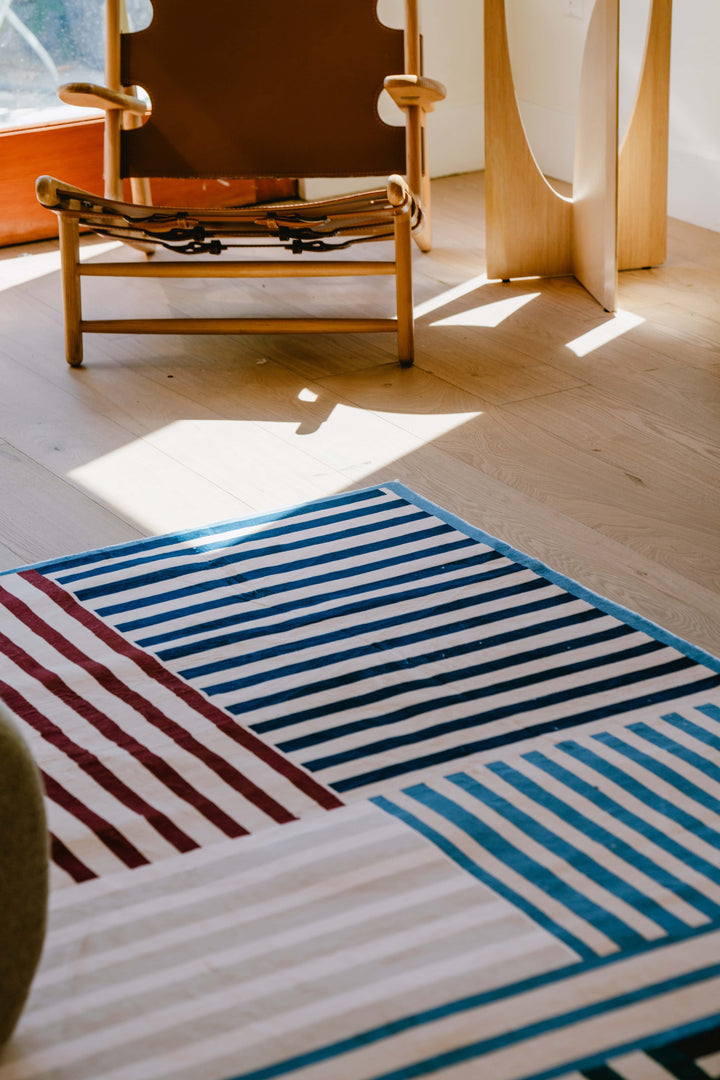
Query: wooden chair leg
point(404, 288)
point(424, 236)
point(70, 257)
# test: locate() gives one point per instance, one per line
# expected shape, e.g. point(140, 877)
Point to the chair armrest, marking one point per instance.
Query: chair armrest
point(89, 95)
point(407, 90)
point(53, 194)
point(398, 192)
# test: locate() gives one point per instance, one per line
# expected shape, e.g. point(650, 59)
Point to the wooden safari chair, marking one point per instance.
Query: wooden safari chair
point(244, 88)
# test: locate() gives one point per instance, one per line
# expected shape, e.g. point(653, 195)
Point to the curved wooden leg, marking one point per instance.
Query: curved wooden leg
point(594, 244)
point(529, 226)
point(643, 166)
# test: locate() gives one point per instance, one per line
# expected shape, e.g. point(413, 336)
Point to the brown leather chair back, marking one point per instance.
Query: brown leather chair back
point(244, 88)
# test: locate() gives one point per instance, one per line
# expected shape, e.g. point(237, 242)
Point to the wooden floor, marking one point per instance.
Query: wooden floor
point(589, 441)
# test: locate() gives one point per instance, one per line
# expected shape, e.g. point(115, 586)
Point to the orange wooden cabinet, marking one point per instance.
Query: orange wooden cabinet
point(74, 150)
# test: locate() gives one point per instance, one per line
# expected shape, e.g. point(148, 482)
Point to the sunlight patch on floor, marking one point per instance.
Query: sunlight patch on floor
point(489, 314)
point(619, 324)
point(194, 472)
point(456, 293)
point(21, 269)
point(155, 491)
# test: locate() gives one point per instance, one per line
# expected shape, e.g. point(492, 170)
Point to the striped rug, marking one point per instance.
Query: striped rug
point(353, 791)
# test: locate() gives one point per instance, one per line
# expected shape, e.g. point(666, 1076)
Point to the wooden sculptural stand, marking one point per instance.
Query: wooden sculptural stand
point(617, 216)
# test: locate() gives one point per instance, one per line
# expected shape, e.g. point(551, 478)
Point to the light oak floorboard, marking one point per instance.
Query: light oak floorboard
point(42, 516)
point(590, 442)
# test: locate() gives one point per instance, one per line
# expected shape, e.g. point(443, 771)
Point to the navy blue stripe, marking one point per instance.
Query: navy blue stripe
point(268, 592)
point(677, 1064)
point(446, 701)
point(240, 579)
point(700, 656)
point(408, 663)
point(634, 821)
point(185, 569)
point(360, 627)
point(653, 799)
point(507, 738)
point(227, 543)
point(575, 857)
point(602, 1072)
point(617, 846)
point(539, 875)
point(118, 551)
point(406, 685)
point(348, 611)
point(664, 772)
point(700, 1044)
point(517, 708)
point(482, 874)
point(406, 641)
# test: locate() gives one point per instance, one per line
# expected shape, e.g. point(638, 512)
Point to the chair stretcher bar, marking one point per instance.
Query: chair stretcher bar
point(238, 326)
point(260, 269)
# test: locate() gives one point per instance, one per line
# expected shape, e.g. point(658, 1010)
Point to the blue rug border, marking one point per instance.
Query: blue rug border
point(610, 607)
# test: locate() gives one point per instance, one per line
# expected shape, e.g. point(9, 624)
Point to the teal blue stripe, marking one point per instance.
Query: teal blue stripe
point(574, 857)
point(663, 772)
point(615, 809)
point(463, 860)
point(554, 1023)
point(638, 622)
point(696, 730)
point(617, 846)
point(522, 863)
point(647, 1044)
point(640, 791)
point(684, 753)
point(486, 1046)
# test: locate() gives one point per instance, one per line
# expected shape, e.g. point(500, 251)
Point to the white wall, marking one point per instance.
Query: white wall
point(546, 47)
point(453, 42)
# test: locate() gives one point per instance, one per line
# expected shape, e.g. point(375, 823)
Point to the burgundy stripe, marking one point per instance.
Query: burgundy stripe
point(163, 772)
point(95, 769)
point(155, 670)
point(110, 682)
point(106, 832)
point(63, 857)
